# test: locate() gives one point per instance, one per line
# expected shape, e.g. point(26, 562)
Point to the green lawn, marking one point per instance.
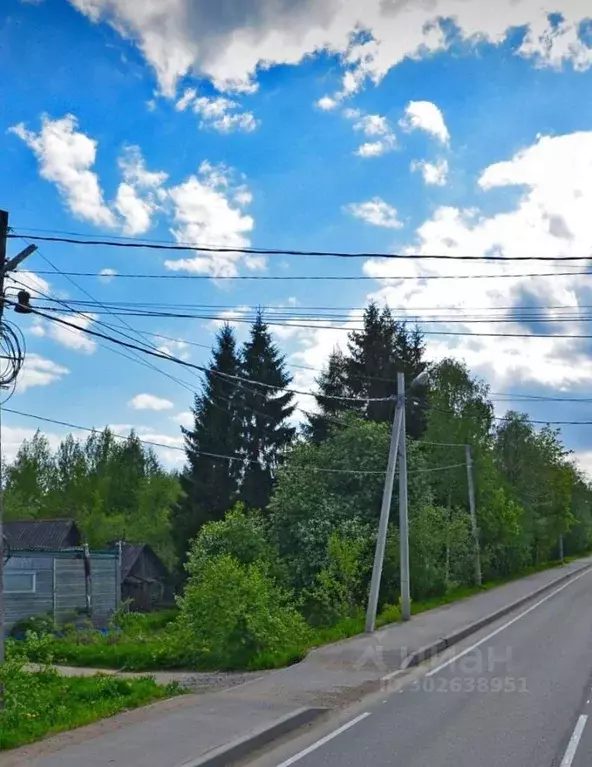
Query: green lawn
point(42, 703)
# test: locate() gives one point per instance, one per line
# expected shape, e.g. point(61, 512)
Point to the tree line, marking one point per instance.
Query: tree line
point(303, 494)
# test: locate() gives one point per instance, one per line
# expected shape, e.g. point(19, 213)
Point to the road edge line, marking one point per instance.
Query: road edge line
point(426, 652)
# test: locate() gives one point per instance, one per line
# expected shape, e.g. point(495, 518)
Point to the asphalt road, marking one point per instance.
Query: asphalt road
point(520, 699)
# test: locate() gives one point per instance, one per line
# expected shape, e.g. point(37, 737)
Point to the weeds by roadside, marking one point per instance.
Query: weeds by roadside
point(41, 703)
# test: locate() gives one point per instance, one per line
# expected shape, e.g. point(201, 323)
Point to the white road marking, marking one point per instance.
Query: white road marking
point(505, 626)
point(572, 746)
point(324, 740)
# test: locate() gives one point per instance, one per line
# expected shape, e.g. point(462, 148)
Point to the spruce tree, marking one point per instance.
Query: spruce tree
point(383, 348)
point(332, 383)
point(266, 432)
point(209, 485)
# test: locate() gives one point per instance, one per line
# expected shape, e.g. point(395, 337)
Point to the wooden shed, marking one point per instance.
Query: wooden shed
point(145, 580)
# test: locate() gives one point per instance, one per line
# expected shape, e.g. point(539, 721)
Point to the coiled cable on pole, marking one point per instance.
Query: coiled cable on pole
point(12, 355)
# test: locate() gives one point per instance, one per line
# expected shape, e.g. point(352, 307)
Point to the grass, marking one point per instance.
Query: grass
point(42, 703)
point(150, 643)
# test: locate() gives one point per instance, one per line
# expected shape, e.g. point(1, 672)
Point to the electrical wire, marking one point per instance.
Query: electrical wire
point(319, 278)
point(186, 363)
point(317, 326)
point(134, 357)
point(113, 243)
point(153, 443)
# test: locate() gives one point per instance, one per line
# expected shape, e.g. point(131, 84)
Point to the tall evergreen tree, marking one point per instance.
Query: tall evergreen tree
point(369, 370)
point(332, 384)
point(209, 485)
point(265, 414)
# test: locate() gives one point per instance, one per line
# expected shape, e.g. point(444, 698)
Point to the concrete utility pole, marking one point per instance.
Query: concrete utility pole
point(474, 525)
point(387, 497)
point(5, 267)
point(397, 447)
point(403, 511)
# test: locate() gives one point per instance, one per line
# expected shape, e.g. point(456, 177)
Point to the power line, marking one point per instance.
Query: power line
point(507, 395)
point(287, 320)
point(134, 357)
point(314, 278)
point(153, 443)
point(317, 326)
point(113, 243)
point(186, 363)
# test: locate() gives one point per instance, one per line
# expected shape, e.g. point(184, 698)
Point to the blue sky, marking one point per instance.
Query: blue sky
point(440, 127)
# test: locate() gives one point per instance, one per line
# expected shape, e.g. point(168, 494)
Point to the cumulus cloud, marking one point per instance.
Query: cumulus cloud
point(376, 212)
point(39, 371)
point(220, 113)
point(138, 195)
point(551, 218)
point(423, 115)
point(375, 127)
point(434, 174)
point(229, 43)
point(207, 208)
point(150, 402)
point(204, 211)
point(172, 348)
point(185, 419)
point(73, 338)
point(14, 436)
point(66, 158)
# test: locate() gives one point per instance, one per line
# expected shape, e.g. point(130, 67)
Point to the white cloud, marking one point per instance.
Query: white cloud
point(584, 460)
point(73, 338)
point(14, 436)
point(255, 262)
point(137, 196)
point(375, 127)
point(185, 418)
point(423, 115)
point(107, 274)
point(376, 212)
point(229, 43)
point(375, 148)
point(66, 157)
point(150, 402)
point(135, 211)
point(326, 103)
point(204, 213)
point(551, 218)
point(180, 349)
point(435, 174)
point(220, 113)
point(29, 281)
point(170, 453)
point(39, 371)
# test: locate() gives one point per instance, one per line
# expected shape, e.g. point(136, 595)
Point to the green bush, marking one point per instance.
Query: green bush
point(339, 587)
point(39, 624)
point(236, 612)
point(240, 535)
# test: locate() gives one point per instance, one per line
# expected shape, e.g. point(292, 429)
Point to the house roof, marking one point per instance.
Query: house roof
point(131, 552)
point(42, 534)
